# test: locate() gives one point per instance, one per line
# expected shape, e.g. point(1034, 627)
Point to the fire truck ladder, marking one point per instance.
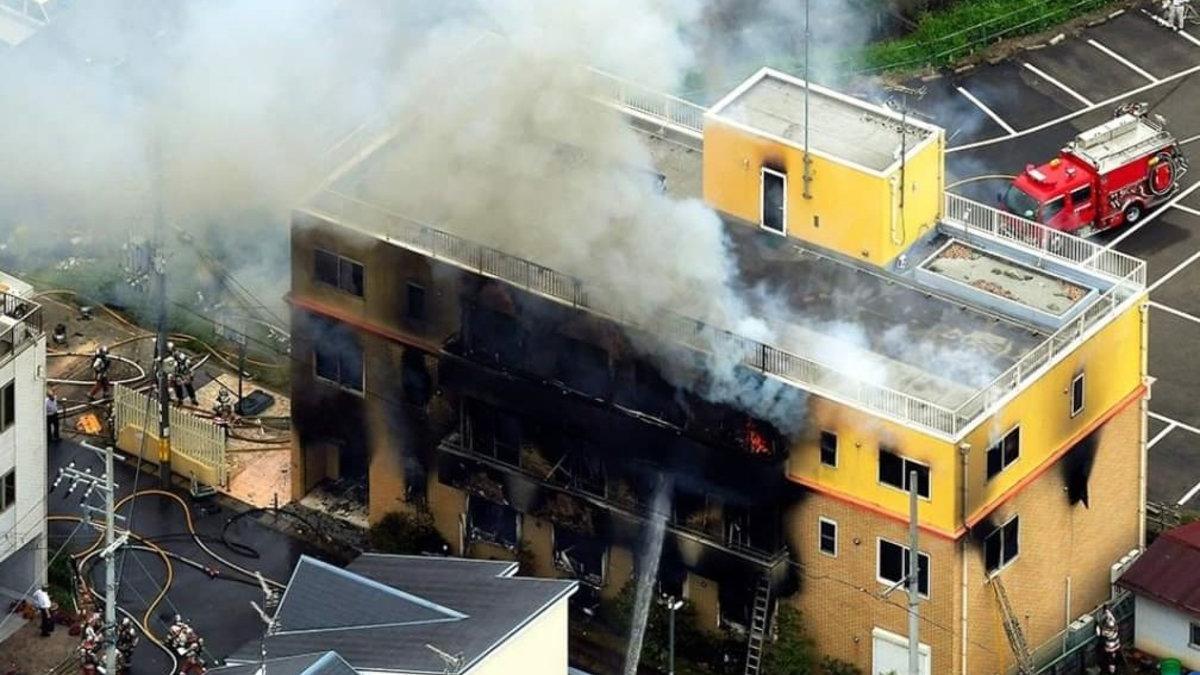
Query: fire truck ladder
point(1012, 629)
point(758, 626)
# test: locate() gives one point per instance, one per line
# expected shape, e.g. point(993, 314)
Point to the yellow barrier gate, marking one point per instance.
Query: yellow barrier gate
point(197, 445)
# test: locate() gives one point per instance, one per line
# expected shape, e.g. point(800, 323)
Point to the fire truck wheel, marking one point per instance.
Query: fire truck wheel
point(1133, 213)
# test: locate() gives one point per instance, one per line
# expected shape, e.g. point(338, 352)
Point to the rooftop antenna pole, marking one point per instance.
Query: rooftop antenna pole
point(453, 662)
point(807, 160)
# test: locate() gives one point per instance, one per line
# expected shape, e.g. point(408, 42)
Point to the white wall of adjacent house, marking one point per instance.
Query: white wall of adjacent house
point(23, 467)
point(537, 648)
point(1165, 632)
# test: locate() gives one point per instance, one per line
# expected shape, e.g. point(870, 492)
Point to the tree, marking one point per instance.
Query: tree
point(792, 652)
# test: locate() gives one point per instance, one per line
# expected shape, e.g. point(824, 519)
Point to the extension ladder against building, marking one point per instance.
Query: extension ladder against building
point(1012, 629)
point(758, 626)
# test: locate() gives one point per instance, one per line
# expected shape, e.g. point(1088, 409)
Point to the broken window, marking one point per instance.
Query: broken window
point(827, 531)
point(1001, 546)
point(894, 470)
point(892, 566)
point(1004, 452)
point(337, 354)
point(829, 448)
point(415, 305)
point(492, 523)
point(583, 367)
point(1077, 395)
point(495, 336)
point(334, 270)
point(579, 555)
point(587, 472)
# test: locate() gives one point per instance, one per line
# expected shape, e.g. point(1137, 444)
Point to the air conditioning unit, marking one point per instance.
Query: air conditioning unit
point(1080, 631)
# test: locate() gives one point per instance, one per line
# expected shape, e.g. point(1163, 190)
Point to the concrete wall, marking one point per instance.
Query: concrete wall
point(539, 648)
point(1164, 632)
point(23, 447)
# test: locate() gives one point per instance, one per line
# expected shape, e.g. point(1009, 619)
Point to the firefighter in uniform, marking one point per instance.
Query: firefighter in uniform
point(223, 410)
point(100, 366)
point(1110, 639)
point(127, 639)
point(182, 379)
point(1177, 11)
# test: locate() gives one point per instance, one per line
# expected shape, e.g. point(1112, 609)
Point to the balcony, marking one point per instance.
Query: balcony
point(20, 325)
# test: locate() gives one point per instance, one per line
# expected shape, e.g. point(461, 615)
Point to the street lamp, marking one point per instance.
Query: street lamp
point(673, 605)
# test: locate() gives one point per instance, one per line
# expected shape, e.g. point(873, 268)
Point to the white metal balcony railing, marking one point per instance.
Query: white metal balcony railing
point(645, 101)
point(1127, 275)
point(26, 326)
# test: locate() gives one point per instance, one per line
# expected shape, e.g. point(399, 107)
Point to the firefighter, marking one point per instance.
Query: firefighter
point(1177, 11)
point(100, 366)
point(90, 657)
point(183, 374)
point(223, 410)
point(190, 660)
point(127, 639)
point(1110, 638)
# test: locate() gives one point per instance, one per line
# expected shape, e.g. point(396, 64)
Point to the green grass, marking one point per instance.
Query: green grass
point(945, 36)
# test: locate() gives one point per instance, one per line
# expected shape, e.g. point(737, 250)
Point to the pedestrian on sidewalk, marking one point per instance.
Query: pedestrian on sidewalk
point(41, 602)
point(53, 417)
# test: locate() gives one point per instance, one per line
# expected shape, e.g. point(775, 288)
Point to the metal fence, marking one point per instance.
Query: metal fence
point(646, 101)
point(197, 445)
point(1073, 652)
point(24, 324)
point(816, 377)
point(971, 217)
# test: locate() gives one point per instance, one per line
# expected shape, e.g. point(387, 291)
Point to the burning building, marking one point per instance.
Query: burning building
point(884, 326)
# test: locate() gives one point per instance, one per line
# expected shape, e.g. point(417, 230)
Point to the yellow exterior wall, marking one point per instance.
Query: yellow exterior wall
point(857, 209)
point(856, 476)
point(1043, 409)
point(539, 648)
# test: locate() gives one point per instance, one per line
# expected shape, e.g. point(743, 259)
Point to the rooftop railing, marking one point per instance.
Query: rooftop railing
point(647, 102)
point(23, 327)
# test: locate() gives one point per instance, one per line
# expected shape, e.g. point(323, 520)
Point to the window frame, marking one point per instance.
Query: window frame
point(762, 200)
point(8, 404)
point(409, 287)
point(7, 500)
point(1075, 202)
point(999, 446)
point(821, 448)
point(1078, 379)
point(339, 260)
point(879, 542)
point(362, 378)
point(999, 534)
point(905, 461)
point(1194, 634)
point(822, 521)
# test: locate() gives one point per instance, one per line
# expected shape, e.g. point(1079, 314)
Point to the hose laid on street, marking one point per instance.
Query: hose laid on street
point(84, 383)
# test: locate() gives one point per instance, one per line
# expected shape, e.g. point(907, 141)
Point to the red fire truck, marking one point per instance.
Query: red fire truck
point(1108, 176)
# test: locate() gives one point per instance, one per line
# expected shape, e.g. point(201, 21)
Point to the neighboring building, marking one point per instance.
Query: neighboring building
point(1003, 362)
point(22, 439)
point(1165, 582)
point(394, 614)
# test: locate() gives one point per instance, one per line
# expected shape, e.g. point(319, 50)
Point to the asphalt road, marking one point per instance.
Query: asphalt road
point(219, 609)
point(1003, 116)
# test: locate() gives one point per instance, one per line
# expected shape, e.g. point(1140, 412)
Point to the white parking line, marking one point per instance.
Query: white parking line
point(1172, 310)
point(1174, 202)
point(1122, 60)
point(1178, 268)
point(1188, 497)
point(1188, 209)
point(1072, 115)
point(1168, 420)
point(1056, 83)
point(1167, 24)
point(987, 111)
point(1159, 436)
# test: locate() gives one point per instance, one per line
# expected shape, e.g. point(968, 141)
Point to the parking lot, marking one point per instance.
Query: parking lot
point(1001, 117)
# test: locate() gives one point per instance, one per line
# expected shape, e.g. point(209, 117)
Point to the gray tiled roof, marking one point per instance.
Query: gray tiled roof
point(328, 663)
point(382, 611)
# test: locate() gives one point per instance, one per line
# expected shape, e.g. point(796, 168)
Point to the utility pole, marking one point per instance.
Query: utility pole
point(808, 178)
point(160, 345)
point(913, 579)
point(104, 483)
